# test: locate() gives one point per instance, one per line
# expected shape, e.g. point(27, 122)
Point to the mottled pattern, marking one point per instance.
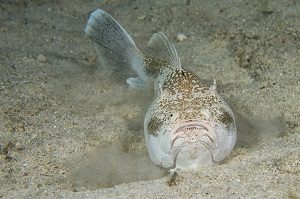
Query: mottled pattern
point(154, 124)
point(185, 94)
point(226, 118)
point(154, 66)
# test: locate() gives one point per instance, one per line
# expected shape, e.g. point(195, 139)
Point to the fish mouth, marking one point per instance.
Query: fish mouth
point(193, 131)
point(192, 134)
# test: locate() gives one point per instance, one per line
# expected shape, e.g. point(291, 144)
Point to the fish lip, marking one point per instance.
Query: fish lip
point(189, 124)
point(209, 132)
point(178, 132)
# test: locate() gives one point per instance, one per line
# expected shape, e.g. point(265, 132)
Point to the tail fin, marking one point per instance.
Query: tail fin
point(116, 47)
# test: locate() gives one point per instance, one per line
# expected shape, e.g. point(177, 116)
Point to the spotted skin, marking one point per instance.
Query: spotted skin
point(184, 93)
point(153, 125)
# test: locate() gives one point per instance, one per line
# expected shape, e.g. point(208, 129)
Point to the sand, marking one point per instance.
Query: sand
point(70, 130)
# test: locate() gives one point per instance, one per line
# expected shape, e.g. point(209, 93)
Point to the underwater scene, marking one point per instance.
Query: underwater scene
point(149, 99)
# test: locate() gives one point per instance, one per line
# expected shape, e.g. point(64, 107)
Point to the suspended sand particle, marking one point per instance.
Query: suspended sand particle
point(41, 58)
point(181, 37)
point(142, 17)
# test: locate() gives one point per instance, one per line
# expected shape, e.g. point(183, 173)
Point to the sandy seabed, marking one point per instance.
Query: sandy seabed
point(70, 130)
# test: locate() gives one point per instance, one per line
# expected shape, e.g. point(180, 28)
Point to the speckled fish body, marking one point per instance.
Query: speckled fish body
point(188, 125)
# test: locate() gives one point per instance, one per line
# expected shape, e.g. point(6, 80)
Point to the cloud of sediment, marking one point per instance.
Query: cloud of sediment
point(111, 165)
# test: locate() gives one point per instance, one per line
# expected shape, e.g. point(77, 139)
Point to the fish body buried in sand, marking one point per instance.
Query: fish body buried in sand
point(188, 125)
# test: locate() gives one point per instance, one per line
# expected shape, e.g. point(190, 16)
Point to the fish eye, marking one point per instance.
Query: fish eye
point(171, 115)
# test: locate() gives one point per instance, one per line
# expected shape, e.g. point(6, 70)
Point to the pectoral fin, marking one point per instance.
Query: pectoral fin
point(136, 82)
point(114, 45)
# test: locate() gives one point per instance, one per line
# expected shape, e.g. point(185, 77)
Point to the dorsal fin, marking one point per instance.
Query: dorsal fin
point(161, 48)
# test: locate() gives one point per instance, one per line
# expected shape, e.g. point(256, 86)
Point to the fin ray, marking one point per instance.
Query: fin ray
point(160, 47)
point(136, 82)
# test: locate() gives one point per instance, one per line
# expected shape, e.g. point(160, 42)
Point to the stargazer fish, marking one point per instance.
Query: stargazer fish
point(188, 125)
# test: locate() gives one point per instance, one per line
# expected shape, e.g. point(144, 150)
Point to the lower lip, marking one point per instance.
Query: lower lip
point(197, 125)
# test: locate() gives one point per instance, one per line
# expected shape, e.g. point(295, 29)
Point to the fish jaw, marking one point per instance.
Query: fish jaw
point(193, 157)
point(190, 145)
point(205, 144)
point(193, 144)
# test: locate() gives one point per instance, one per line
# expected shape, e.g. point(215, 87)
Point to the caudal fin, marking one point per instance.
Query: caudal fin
point(115, 46)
